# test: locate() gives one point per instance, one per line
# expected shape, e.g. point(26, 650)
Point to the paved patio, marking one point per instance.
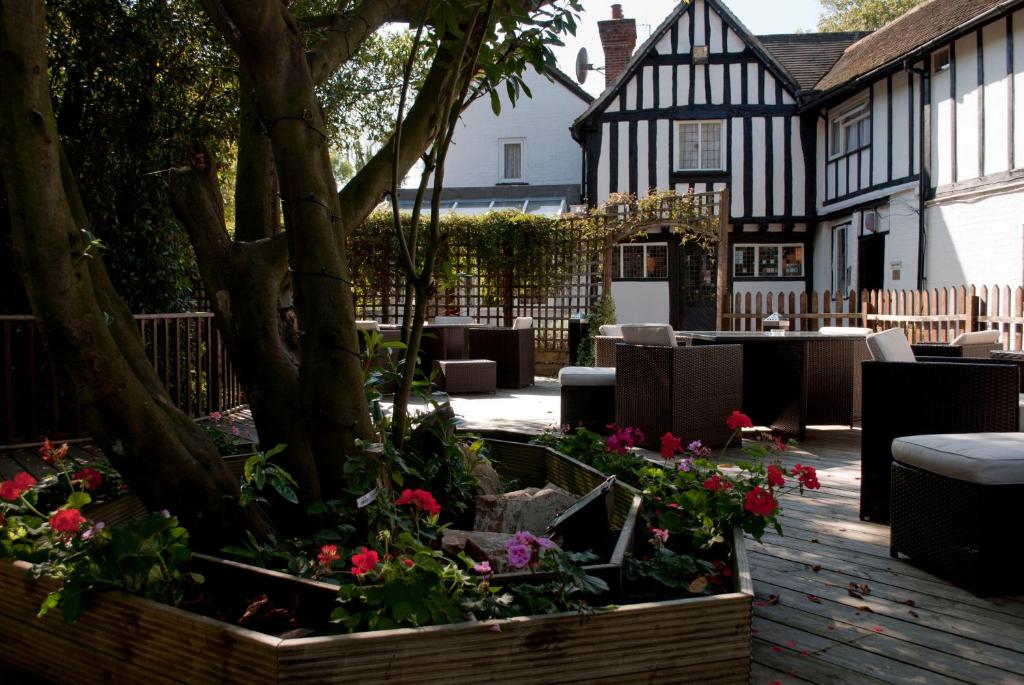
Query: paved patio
point(900, 625)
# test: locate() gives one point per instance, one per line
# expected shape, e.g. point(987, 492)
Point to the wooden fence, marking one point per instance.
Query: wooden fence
point(936, 315)
point(185, 349)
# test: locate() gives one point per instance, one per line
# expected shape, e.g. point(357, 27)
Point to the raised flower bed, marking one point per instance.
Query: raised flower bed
point(124, 638)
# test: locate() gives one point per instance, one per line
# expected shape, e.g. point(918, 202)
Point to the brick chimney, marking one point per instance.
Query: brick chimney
point(618, 37)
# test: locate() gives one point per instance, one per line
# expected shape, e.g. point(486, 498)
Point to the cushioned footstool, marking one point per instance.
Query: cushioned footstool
point(588, 397)
point(466, 375)
point(956, 507)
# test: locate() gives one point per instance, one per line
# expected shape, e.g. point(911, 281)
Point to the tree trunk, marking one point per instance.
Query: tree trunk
point(88, 331)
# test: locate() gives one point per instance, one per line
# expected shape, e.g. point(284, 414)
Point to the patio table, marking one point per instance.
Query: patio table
point(795, 379)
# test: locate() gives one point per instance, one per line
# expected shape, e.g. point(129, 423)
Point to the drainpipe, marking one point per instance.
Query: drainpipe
point(925, 173)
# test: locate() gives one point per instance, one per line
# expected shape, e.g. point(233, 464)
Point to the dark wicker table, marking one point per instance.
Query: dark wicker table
point(795, 379)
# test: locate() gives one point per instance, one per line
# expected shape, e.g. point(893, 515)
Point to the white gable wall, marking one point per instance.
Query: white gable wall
point(550, 155)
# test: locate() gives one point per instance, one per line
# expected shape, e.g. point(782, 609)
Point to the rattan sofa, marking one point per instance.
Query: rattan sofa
point(688, 391)
point(977, 344)
point(609, 336)
point(931, 395)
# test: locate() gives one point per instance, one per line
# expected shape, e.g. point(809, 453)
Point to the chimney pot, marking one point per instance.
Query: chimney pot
point(616, 11)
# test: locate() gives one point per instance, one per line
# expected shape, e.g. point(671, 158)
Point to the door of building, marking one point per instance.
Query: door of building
point(871, 262)
point(692, 286)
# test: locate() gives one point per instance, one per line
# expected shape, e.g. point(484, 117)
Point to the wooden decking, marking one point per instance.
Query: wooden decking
point(907, 626)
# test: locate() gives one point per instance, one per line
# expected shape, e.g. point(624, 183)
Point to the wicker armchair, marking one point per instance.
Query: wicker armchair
point(931, 395)
point(977, 344)
point(604, 350)
point(511, 348)
point(688, 391)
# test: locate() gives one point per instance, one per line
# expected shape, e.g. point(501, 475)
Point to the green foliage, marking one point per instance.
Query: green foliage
point(591, 449)
point(134, 83)
point(565, 587)
point(861, 15)
point(602, 313)
point(260, 473)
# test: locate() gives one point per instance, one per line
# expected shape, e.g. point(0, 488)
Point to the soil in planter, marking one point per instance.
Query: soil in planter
point(283, 607)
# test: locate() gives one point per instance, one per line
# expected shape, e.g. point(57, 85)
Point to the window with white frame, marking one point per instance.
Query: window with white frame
point(510, 162)
point(640, 261)
point(700, 145)
point(768, 261)
point(850, 131)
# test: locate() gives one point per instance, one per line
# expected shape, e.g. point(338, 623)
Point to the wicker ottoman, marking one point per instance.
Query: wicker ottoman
point(955, 500)
point(588, 397)
point(457, 376)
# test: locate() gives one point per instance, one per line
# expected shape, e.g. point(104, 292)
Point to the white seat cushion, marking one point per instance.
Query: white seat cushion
point(982, 458)
point(976, 338)
point(448, 320)
point(845, 330)
point(612, 330)
point(367, 325)
point(522, 323)
point(649, 334)
point(890, 346)
point(586, 375)
point(1020, 413)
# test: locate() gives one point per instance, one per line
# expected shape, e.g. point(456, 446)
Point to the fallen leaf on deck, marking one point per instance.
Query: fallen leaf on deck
point(908, 602)
point(877, 629)
point(792, 644)
point(814, 540)
point(816, 568)
point(866, 609)
point(772, 600)
point(776, 649)
point(913, 613)
point(831, 627)
point(858, 591)
point(814, 598)
point(804, 653)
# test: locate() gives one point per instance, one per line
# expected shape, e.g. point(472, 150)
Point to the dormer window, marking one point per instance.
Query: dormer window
point(510, 162)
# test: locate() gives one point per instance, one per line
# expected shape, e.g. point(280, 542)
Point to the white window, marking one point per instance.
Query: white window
point(510, 163)
point(850, 130)
point(841, 271)
point(768, 261)
point(640, 261)
point(700, 145)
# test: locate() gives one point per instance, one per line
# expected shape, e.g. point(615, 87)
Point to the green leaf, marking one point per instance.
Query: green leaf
point(495, 103)
point(77, 500)
point(285, 491)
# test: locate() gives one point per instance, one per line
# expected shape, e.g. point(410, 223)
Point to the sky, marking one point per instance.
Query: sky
point(760, 16)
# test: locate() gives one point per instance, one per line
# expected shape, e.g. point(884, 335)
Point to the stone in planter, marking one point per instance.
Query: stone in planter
point(488, 481)
point(481, 546)
point(531, 509)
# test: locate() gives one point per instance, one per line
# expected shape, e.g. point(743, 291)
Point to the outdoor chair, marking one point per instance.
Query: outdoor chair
point(845, 330)
point(587, 397)
point(604, 345)
point(952, 496)
point(904, 395)
point(687, 391)
point(511, 348)
point(453, 320)
point(977, 344)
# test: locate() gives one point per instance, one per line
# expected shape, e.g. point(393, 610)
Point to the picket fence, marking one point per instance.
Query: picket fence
point(935, 315)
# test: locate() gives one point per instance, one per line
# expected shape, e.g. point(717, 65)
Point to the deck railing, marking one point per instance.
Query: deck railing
point(936, 315)
point(185, 349)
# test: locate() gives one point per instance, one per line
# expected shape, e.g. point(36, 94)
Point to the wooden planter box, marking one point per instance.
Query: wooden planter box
point(123, 638)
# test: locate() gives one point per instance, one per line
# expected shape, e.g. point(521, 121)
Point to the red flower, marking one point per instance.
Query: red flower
point(421, 499)
point(11, 490)
point(408, 562)
point(91, 477)
point(761, 502)
point(67, 521)
point(737, 420)
point(364, 562)
point(775, 478)
point(807, 476)
point(669, 445)
point(328, 554)
point(716, 483)
point(49, 454)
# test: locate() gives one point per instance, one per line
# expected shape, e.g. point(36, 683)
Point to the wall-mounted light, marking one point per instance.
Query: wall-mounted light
point(700, 54)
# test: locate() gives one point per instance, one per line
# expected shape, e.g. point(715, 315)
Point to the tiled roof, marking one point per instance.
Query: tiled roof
point(808, 56)
point(927, 22)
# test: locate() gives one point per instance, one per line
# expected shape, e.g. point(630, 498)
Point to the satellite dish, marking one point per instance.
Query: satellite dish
point(583, 65)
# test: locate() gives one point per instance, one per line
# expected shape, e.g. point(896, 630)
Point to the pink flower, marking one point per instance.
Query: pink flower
point(518, 555)
point(328, 555)
point(737, 420)
point(660, 534)
point(483, 568)
point(216, 415)
point(419, 499)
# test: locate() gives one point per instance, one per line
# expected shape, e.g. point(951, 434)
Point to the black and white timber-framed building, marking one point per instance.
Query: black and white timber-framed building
point(892, 159)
